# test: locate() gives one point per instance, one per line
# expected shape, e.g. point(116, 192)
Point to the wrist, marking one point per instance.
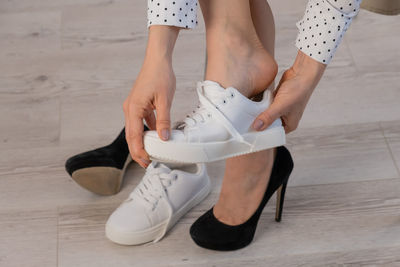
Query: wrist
point(161, 42)
point(308, 68)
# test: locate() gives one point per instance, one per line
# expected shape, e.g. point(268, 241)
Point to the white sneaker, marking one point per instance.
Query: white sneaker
point(163, 196)
point(219, 128)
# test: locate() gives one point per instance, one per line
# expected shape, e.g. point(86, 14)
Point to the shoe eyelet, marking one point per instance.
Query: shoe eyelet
point(175, 176)
point(232, 95)
point(224, 101)
point(209, 115)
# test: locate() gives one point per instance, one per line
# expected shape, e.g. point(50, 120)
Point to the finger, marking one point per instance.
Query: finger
point(289, 126)
point(287, 129)
point(135, 140)
point(266, 118)
point(151, 121)
point(163, 122)
point(275, 92)
point(285, 124)
point(141, 162)
point(127, 127)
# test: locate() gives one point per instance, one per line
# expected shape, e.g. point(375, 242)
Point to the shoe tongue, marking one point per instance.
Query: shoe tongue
point(167, 167)
point(162, 167)
point(212, 89)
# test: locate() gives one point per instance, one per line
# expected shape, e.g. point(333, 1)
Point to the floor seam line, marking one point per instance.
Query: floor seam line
point(390, 150)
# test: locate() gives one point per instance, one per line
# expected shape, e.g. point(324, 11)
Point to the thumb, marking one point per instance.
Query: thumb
point(265, 119)
point(163, 122)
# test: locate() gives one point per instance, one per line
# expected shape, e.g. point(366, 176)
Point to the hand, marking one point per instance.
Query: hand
point(292, 94)
point(154, 89)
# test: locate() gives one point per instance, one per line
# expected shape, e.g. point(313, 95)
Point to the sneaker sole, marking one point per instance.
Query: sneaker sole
point(148, 235)
point(171, 151)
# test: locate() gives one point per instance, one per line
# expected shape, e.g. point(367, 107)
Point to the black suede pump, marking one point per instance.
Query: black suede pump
point(208, 232)
point(101, 170)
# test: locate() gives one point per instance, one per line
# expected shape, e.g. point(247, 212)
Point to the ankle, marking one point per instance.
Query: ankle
point(239, 59)
point(233, 40)
point(251, 166)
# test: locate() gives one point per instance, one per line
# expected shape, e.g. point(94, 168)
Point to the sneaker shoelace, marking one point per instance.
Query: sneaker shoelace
point(152, 189)
point(201, 113)
point(207, 109)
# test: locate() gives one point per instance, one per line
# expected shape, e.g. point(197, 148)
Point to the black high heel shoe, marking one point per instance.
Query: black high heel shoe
point(101, 170)
point(208, 232)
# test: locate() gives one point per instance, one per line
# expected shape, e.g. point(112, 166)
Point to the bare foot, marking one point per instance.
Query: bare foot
point(239, 61)
point(245, 181)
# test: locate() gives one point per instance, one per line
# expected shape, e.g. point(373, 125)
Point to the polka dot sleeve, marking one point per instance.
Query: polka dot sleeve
point(322, 28)
point(179, 13)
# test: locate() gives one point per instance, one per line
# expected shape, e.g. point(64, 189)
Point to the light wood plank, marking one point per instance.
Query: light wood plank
point(28, 121)
point(373, 43)
point(104, 24)
point(363, 98)
point(281, 8)
point(387, 256)
point(48, 189)
point(25, 33)
point(28, 238)
point(321, 219)
point(12, 6)
point(340, 154)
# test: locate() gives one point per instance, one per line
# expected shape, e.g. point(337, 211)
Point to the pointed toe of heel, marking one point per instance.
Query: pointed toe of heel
point(207, 232)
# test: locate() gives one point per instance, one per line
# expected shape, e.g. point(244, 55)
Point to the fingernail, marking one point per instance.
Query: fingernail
point(258, 124)
point(165, 134)
point(145, 161)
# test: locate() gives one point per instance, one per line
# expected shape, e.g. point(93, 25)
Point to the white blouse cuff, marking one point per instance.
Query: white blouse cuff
point(322, 28)
point(179, 13)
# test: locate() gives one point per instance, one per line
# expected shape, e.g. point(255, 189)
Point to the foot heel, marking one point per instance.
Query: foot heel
point(280, 197)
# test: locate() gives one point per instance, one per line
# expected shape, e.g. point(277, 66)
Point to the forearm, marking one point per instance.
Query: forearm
point(161, 43)
point(308, 69)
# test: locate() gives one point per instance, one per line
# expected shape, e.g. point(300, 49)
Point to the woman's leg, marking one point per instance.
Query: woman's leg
point(240, 47)
point(236, 56)
point(264, 24)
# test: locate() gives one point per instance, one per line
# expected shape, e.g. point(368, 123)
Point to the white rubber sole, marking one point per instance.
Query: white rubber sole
point(171, 151)
point(148, 235)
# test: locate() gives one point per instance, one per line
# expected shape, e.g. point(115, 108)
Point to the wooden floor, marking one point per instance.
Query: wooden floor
point(65, 69)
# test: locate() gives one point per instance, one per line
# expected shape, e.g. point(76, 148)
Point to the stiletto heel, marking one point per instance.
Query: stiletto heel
point(280, 197)
point(208, 232)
